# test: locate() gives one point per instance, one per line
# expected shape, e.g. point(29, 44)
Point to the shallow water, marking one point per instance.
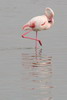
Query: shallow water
point(27, 73)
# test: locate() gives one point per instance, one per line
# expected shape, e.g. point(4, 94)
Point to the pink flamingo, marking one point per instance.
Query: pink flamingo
point(39, 23)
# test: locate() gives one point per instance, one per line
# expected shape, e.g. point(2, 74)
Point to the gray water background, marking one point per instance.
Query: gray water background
point(27, 73)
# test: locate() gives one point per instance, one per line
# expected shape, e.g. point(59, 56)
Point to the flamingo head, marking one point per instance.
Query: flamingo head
point(49, 13)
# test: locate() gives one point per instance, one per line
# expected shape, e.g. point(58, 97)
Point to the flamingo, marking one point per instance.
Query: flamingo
point(39, 23)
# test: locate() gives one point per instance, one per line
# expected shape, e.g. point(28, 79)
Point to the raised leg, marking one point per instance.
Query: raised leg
point(26, 33)
point(31, 38)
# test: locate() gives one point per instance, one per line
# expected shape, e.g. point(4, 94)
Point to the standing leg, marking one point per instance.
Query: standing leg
point(36, 46)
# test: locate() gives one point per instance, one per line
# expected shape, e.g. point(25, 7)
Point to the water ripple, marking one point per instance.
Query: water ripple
point(38, 74)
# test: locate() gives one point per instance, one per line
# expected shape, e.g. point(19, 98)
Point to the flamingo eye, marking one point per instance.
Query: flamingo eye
point(49, 21)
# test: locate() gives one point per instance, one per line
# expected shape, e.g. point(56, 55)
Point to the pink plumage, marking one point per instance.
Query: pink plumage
point(39, 23)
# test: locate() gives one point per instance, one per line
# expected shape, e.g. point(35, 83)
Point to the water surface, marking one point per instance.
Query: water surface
point(27, 73)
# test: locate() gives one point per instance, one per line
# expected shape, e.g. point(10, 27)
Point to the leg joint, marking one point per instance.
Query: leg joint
point(22, 36)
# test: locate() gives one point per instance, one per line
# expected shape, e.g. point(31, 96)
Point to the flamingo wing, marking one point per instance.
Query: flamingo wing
point(35, 23)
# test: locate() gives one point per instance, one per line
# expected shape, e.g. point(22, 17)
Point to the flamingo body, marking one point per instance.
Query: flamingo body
point(39, 23)
point(35, 23)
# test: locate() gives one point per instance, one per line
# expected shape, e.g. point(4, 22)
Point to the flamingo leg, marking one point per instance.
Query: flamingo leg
point(30, 37)
point(36, 39)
